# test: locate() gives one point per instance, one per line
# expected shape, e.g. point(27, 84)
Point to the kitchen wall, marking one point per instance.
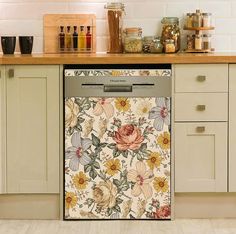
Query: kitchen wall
point(25, 17)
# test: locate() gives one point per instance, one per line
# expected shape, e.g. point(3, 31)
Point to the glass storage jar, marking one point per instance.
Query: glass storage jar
point(198, 42)
point(169, 46)
point(206, 19)
point(197, 19)
point(156, 45)
point(170, 30)
point(115, 12)
point(206, 42)
point(147, 40)
point(190, 42)
point(133, 40)
point(189, 20)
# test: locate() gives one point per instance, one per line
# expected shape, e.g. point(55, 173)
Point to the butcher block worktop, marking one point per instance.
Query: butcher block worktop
point(103, 58)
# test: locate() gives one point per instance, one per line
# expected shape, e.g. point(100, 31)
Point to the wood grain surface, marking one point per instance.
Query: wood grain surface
point(104, 58)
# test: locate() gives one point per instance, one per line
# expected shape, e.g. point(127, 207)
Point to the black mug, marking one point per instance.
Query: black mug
point(26, 44)
point(8, 44)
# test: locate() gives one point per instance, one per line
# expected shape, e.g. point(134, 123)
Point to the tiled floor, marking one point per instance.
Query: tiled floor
point(179, 226)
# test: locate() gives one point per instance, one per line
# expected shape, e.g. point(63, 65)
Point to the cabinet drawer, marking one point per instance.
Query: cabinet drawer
point(201, 107)
point(201, 78)
point(201, 157)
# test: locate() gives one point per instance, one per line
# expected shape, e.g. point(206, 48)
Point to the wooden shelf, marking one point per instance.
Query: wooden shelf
point(199, 28)
point(199, 51)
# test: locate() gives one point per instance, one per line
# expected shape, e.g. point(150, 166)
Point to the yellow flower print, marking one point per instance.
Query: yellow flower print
point(160, 184)
point(164, 141)
point(70, 200)
point(143, 108)
point(80, 180)
point(122, 104)
point(116, 73)
point(154, 160)
point(113, 166)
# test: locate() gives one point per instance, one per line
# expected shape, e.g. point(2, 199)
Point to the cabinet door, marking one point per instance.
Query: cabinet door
point(232, 128)
point(2, 130)
point(201, 157)
point(32, 129)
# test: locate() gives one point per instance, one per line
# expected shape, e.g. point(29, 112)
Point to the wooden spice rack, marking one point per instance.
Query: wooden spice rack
point(197, 32)
point(51, 27)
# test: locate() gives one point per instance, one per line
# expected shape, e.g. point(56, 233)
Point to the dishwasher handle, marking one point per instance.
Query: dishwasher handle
point(117, 88)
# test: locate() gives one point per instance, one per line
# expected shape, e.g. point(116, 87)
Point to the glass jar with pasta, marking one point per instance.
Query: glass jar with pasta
point(170, 30)
point(115, 12)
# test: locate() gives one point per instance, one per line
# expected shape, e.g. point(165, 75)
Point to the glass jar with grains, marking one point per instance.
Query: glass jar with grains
point(170, 30)
point(115, 21)
point(147, 40)
point(156, 45)
point(133, 40)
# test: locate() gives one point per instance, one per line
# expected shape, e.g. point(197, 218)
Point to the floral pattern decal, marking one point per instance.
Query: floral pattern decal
point(115, 72)
point(117, 158)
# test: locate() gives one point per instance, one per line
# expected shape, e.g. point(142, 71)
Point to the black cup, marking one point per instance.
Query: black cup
point(26, 44)
point(8, 44)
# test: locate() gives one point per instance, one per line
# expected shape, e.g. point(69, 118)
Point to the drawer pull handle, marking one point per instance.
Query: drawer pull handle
point(11, 73)
point(201, 107)
point(200, 129)
point(201, 78)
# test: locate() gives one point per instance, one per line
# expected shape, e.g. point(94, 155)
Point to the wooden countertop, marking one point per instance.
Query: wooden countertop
point(103, 58)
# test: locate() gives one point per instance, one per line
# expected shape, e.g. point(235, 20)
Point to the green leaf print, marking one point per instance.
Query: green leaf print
point(95, 140)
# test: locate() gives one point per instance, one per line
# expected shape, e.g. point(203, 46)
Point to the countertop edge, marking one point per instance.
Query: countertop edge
point(179, 58)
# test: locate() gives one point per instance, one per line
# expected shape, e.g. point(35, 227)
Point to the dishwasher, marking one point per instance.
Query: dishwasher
point(117, 134)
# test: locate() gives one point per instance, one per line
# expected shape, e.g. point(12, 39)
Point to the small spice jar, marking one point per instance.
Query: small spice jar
point(190, 42)
point(147, 43)
point(156, 45)
point(169, 46)
point(197, 19)
point(206, 19)
point(133, 40)
point(206, 41)
point(189, 20)
point(198, 42)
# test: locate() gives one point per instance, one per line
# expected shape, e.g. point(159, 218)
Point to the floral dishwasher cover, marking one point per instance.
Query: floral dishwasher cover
point(117, 157)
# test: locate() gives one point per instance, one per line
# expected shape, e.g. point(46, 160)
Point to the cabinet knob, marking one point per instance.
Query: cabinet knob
point(201, 78)
point(200, 129)
point(201, 107)
point(11, 73)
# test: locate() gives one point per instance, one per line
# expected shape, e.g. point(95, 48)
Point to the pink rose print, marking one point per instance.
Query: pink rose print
point(128, 137)
point(163, 212)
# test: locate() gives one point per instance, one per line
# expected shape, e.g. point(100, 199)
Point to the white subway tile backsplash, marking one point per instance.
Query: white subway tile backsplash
point(32, 11)
point(155, 10)
point(102, 44)
point(233, 43)
point(149, 26)
point(96, 8)
point(233, 8)
point(21, 27)
point(179, 9)
point(221, 42)
point(217, 8)
point(101, 28)
point(225, 26)
point(25, 17)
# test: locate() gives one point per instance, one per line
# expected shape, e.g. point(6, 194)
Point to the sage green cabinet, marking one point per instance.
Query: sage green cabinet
point(32, 128)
